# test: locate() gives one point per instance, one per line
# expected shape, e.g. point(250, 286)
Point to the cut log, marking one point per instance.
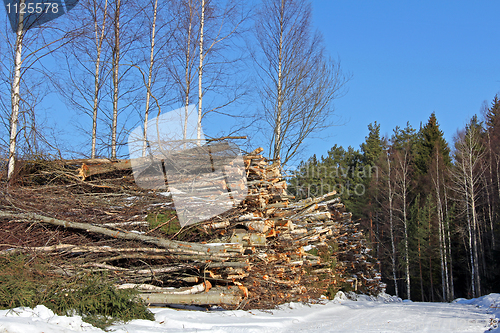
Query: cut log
point(199, 288)
point(165, 243)
point(224, 296)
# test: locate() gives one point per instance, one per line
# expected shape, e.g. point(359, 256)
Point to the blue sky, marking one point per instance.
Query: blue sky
point(407, 60)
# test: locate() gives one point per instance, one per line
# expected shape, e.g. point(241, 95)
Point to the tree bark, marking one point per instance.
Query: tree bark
point(15, 94)
point(229, 296)
point(150, 77)
point(116, 67)
point(391, 224)
point(216, 251)
point(98, 40)
point(200, 73)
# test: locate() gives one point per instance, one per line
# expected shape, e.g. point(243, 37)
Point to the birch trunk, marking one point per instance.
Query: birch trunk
point(150, 77)
point(474, 232)
point(15, 94)
point(98, 40)
point(491, 208)
point(200, 74)
point(279, 107)
point(216, 252)
point(407, 259)
point(391, 226)
point(116, 65)
point(447, 226)
point(472, 196)
point(187, 77)
point(442, 240)
point(403, 184)
point(469, 228)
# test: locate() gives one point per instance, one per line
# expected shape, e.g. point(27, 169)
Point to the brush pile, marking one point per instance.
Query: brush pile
point(266, 251)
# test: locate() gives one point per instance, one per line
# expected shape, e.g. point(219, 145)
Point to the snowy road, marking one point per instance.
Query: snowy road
point(364, 315)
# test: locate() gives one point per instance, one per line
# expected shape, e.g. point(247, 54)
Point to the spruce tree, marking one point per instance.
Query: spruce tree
point(430, 137)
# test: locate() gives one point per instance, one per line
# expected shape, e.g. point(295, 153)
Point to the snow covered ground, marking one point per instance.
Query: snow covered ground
point(382, 314)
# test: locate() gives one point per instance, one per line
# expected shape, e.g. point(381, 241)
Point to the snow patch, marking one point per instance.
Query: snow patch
point(345, 313)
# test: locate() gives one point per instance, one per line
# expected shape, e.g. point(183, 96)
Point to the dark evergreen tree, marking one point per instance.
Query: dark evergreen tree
point(430, 138)
point(492, 193)
point(373, 145)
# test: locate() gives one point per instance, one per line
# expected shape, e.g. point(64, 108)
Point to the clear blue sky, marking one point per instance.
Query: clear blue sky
point(407, 60)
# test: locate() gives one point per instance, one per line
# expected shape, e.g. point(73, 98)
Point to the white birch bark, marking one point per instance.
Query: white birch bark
point(116, 67)
point(469, 229)
point(187, 68)
point(391, 223)
point(200, 73)
point(150, 77)
point(404, 170)
point(467, 179)
point(279, 104)
point(15, 95)
point(99, 37)
point(442, 239)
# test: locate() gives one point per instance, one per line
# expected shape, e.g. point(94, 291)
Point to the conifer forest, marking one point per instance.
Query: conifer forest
point(430, 208)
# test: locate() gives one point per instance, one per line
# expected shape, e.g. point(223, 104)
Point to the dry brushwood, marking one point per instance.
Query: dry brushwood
point(266, 251)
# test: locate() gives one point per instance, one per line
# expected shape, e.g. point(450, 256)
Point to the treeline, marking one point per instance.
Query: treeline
point(429, 208)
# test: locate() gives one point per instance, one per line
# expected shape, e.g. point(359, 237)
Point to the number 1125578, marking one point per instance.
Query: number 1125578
point(31, 8)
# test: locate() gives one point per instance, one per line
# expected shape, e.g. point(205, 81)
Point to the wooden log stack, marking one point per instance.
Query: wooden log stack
point(266, 251)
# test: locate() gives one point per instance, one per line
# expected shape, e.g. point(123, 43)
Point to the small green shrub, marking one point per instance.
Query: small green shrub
point(26, 282)
point(170, 228)
point(313, 251)
point(331, 291)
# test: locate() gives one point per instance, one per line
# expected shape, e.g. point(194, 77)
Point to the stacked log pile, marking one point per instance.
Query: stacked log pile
point(267, 251)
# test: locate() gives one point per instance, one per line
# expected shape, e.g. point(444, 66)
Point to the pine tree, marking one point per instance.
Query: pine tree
point(371, 211)
point(373, 146)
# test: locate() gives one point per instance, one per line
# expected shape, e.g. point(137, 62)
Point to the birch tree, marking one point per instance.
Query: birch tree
point(29, 50)
point(299, 81)
point(99, 30)
point(150, 74)
point(390, 198)
point(125, 41)
point(116, 70)
point(467, 175)
point(402, 144)
point(182, 65)
point(206, 61)
point(15, 94)
point(81, 83)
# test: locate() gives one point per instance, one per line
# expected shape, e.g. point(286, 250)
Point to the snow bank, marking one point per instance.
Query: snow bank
point(346, 313)
point(41, 320)
point(490, 303)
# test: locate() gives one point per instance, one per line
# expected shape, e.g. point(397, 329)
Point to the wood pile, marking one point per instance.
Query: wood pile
point(267, 251)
